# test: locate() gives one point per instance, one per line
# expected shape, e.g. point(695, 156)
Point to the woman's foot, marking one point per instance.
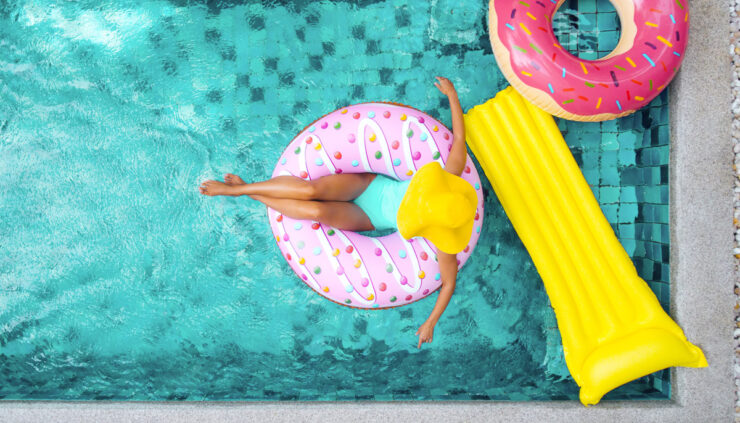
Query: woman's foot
point(219, 188)
point(231, 179)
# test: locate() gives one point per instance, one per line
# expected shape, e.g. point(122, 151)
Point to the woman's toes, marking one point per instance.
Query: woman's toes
point(216, 188)
point(232, 179)
point(204, 187)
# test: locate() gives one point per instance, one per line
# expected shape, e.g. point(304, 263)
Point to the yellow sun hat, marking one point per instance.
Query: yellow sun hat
point(440, 207)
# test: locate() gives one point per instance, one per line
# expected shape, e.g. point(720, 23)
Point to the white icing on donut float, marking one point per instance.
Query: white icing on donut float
point(347, 267)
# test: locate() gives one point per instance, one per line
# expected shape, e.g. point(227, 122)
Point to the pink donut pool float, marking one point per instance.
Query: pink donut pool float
point(648, 55)
point(350, 268)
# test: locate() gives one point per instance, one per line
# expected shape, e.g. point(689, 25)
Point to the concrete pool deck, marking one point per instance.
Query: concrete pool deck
point(702, 276)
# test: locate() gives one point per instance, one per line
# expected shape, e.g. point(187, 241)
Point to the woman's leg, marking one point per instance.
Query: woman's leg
point(339, 214)
point(341, 187)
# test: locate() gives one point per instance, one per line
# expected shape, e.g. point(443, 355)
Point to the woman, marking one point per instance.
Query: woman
point(436, 204)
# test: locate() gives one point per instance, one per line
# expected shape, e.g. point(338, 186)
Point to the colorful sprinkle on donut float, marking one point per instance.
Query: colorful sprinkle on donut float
point(648, 55)
point(350, 268)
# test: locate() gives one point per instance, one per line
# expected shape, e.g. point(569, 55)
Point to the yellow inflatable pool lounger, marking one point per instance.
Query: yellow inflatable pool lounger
point(612, 326)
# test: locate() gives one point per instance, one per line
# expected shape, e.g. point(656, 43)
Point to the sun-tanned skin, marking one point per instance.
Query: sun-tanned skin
point(329, 200)
point(326, 200)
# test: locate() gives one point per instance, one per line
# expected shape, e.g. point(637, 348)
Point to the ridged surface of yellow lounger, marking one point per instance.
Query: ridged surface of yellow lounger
point(612, 326)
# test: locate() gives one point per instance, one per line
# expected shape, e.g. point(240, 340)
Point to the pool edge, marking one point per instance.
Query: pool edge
point(702, 274)
point(701, 189)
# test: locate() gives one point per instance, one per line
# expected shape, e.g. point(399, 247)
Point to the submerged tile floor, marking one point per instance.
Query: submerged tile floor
point(205, 88)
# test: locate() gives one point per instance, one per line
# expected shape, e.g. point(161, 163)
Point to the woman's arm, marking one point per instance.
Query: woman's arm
point(457, 158)
point(455, 164)
point(448, 272)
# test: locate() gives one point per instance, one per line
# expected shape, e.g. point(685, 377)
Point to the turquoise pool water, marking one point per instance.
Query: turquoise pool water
point(119, 281)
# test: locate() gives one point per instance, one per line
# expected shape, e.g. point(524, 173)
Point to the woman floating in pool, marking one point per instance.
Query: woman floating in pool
point(436, 204)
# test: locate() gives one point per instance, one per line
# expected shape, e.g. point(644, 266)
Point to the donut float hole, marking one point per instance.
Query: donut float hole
point(588, 29)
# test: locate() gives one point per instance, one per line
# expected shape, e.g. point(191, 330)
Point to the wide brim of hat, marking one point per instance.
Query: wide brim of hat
point(447, 240)
point(430, 180)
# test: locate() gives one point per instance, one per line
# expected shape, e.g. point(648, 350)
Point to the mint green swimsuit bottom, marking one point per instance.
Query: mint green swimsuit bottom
point(380, 201)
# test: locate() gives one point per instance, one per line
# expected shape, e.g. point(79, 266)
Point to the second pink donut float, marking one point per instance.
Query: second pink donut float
point(350, 268)
point(648, 55)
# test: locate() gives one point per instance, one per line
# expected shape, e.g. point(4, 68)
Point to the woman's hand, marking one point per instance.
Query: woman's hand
point(445, 86)
point(425, 332)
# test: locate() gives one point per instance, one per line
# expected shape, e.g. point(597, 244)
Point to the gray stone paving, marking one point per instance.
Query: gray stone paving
point(701, 268)
point(735, 52)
